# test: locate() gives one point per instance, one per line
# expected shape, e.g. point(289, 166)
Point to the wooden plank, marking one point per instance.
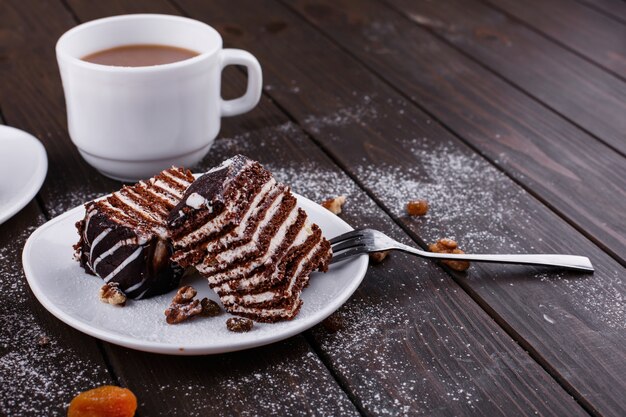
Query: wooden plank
point(32, 99)
point(409, 341)
point(37, 377)
point(421, 383)
point(572, 324)
point(585, 94)
point(580, 178)
point(161, 387)
point(283, 379)
point(615, 9)
point(582, 29)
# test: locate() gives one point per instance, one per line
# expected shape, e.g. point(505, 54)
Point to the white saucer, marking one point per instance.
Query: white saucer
point(23, 167)
point(63, 288)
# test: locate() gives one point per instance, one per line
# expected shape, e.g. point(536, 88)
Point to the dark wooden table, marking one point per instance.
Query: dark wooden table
point(508, 116)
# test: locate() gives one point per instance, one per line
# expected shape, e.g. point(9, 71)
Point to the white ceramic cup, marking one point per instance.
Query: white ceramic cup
point(132, 122)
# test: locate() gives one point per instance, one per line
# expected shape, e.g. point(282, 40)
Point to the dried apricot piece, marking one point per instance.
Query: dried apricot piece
point(104, 401)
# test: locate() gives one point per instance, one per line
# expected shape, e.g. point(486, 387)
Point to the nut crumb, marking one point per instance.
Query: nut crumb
point(184, 295)
point(239, 324)
point(334, 204)
point(378, 257)
point(417, 207)
point(449, 246)
point(111, 294)
point(183, 306)
point(210, 308)
point(43, 341)
point(177, 313)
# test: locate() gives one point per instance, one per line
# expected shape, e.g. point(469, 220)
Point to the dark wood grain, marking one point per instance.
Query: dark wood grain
point(585, 94)
point(615, 9)
point(413, 344)
point(283, 379)
point(32, 98)
point(391, 309)
point(37, 378)
point(424, 385)
point(579, 177)
point(582, 29)
point(163, 388)
point(401, 342)
point(395, 150)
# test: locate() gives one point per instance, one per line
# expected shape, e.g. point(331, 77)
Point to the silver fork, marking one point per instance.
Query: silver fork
point(358, 242)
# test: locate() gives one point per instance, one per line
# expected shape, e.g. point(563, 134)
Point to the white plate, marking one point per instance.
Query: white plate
point(63, 288)
point(23, 167)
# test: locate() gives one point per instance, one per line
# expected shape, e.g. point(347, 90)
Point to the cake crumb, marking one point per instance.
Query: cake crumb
point(378, 257)
point(417, 207)
point(43, 341)
point(210, 308)
point(449, 246)
point(334, 204)
point(239, 324)
point(111, 294)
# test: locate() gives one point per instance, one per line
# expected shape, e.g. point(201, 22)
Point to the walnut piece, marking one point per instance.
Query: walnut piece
point(449, 246)
point(239, 324)
point(184, 306)
point(184, 295)
point(417, 207)
point(378, 257)
point(111, 294)
point(334, 204)
point(177, 313)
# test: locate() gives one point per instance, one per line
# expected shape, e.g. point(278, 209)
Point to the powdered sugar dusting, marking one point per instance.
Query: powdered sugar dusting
point(57, 203)
point(365, 110)
point(605, 302)
point(34, 379)
point(288, 380)
point(463, 193)
point(308, 178)
point(373, 347)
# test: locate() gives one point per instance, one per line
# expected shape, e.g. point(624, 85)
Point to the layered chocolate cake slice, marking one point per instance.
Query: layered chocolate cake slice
point(244, 232)
point(124, 238)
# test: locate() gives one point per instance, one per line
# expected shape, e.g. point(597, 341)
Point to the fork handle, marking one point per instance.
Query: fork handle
point(579, 263)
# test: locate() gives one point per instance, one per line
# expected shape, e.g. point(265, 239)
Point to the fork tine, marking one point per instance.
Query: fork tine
point(348, 253)
point(349, 243)
point(346, 236)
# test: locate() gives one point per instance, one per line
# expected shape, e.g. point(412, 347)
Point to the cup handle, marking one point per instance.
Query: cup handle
point(255, 82)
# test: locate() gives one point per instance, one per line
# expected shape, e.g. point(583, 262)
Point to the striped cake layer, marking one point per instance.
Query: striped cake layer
point(296, 269)
point(259, 270)
point(233, 235)
point(269, 314)
point(270, 240)
point(260, 281)
point(244, 232)
point(123, 237)
point(268, 288)
point(199, 226)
